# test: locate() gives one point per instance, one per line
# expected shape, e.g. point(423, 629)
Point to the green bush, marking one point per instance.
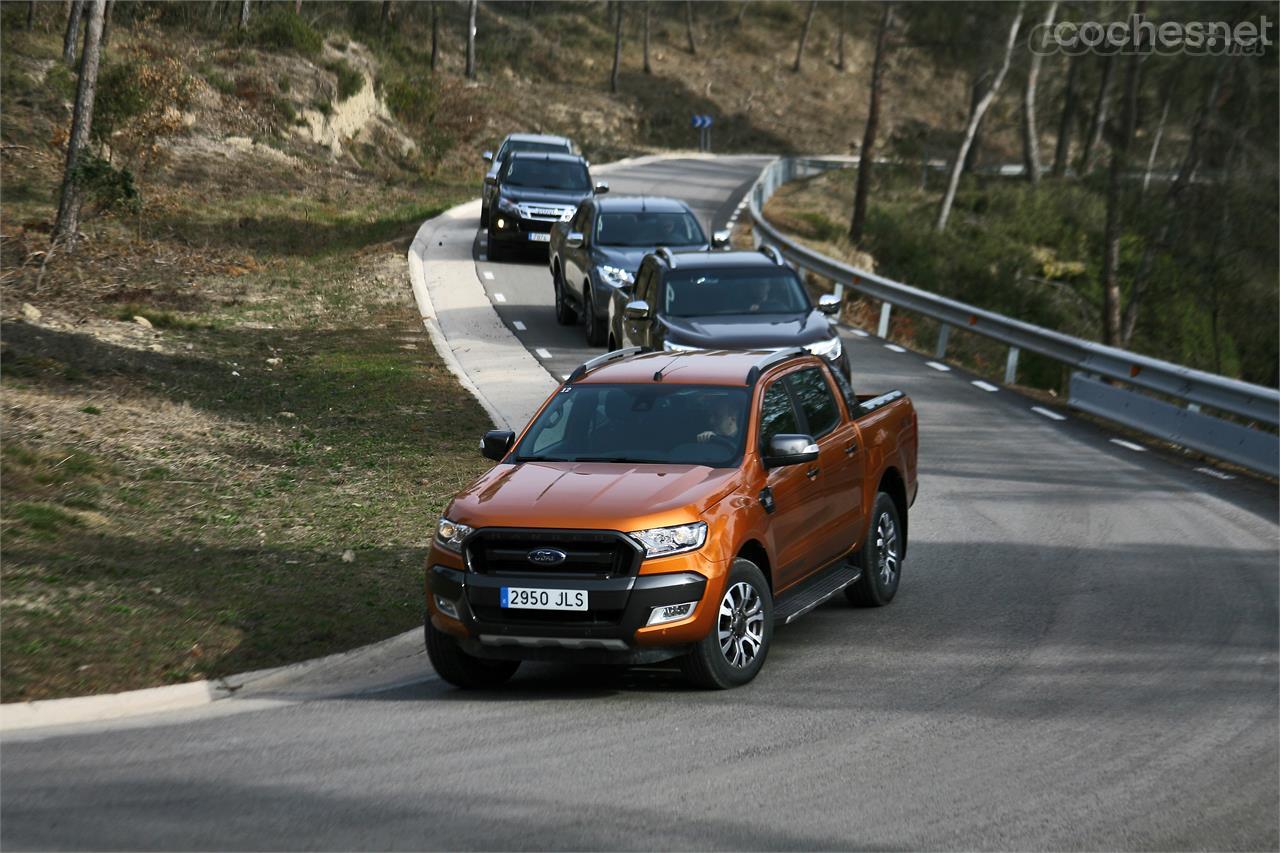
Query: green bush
point(281, 30)
point(106, 186)
point(120, 97)
point(61, 81)
point(350, 81)
point(221, 82)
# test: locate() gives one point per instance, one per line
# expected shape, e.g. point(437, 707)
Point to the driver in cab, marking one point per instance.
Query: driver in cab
point(723, 420)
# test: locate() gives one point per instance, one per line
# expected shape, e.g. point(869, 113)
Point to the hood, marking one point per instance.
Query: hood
point(629, 257)
point(537, 194)
point(603, 495)
point(748, 331)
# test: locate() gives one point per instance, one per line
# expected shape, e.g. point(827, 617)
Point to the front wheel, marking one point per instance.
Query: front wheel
point(880, 558)
point(734, 651)
point(461, 669)
point(565, 315)
point(595, 330)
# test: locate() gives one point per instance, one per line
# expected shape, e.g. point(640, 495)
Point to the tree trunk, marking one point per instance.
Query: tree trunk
point(435, 34)
point(804, 35)
point(688, 26)
point(383, 16)
point(742, 11)
point(976, 92)
point(31, 14)
point(1030, 133)
point(617, 47)
point(297, 7)
point(244, 15)
point(1062, 151)
point(866, 155)
point(975, 119)
point(471, 39)
point(106, 23)
point(71, 36)
point(528, 10)
point(67, 226)
point(1155, 143)
point(648, 7)
point(1111, 320)
point(1098, 120)
point(840, 40)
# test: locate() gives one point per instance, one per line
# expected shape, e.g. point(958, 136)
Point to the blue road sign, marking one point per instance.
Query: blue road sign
point(700, 121)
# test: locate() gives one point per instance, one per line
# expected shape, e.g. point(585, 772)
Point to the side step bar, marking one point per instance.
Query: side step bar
point(795, 603)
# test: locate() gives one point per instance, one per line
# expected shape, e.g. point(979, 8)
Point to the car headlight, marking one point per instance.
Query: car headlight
point(826, 349)
point(661, 541)
point(670, 347)
point(450, 534)
point(616, 276)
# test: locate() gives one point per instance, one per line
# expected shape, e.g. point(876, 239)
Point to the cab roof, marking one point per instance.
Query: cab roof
point(552, 156)
point(701, 367)
point(724, 260)
point(539, 137)
point(640, 204)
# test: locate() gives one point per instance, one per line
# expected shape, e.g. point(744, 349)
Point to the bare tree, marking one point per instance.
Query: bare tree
point(244, 15)
point(1062, 150)
point(31, 14)
point(67, 226)
point(72, 34)
point(742, 11)
point(1098, 120)
point(435, 34)
point(383, 16)
point(866, 155)
point(1111, 317)
point(106, 23)
point(975, 117)
point(648, 7)
point(471, 39)
point(840, 39)
point(688, 26)
point(297, 7)
point(804, 35)
point(1030, 133)
point(1155, 141)
point(617, 47)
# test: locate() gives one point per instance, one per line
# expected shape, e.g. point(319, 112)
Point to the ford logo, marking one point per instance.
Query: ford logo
point(547, 556)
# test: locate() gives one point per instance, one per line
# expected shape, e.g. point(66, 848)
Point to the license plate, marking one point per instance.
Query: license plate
point(539, 237)
point(524, 598)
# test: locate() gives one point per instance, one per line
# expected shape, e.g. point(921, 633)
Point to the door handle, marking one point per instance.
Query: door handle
point(813, 472)
point(851, 448)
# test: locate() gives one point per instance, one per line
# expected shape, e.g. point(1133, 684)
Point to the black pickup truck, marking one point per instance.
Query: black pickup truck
point(532, 192)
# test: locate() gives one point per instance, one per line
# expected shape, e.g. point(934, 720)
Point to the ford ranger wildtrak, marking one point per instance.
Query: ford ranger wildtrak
point(672, 506)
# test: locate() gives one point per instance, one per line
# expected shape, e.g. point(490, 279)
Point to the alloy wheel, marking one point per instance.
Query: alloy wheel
point(887, 550)
point(741, 625)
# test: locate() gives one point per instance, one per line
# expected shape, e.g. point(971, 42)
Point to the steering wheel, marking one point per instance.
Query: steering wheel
point(727, 444)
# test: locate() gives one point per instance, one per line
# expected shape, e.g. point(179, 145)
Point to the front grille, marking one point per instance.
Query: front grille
point(516, 616)
point(594, 554)
point(545, 212)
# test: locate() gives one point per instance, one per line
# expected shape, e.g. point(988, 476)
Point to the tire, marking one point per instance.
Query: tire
point(461, 669)
point(595, 330)
point(715, 667)
point(565, 315)
point(880, 558)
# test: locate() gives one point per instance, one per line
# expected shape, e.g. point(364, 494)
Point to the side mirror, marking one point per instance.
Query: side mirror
point(829, 303)
point(491, 180)
point(790, 449)
point(574, 240)
point(488, 155)
point(636, 310)
point(720, 239)
point(602, 188)
point(496, 443)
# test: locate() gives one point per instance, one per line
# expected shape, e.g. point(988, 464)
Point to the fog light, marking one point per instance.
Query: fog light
point(502, 223)
point(446, 606)
point(671, 612)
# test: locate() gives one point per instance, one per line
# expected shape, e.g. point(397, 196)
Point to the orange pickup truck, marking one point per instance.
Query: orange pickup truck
point(672, 505)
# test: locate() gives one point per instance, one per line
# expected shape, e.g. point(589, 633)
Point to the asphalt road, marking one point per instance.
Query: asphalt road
point(1083, 654)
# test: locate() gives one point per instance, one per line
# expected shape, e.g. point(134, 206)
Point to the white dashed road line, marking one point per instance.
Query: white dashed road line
point(985, 386)
point(488, 275)
point(861, 333)
point(1215, 473)
point(894, 348)
point(498, 297)
point(1048, 413)
point(1129, 445)
point(519, 324)
point(937, 365)
point(542, 353)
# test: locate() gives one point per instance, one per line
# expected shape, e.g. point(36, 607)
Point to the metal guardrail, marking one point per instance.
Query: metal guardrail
point(1198, 388)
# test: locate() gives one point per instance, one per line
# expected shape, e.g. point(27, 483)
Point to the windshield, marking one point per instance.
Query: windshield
point(546, 147)
point(547, 174)
point(769, 290)
point(655, 423)
point(648, 229)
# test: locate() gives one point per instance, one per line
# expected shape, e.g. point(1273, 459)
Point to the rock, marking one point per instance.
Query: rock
point(289, 415)
point(30, 313)
point(348, 556)
point(274, 361)
point(142, 321)
point(235, 373)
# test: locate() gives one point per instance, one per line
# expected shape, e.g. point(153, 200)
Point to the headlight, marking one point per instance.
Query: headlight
point(450, 534)
point(661, 541)
point(616, 276)
point(670, 347)
point(826, 349)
